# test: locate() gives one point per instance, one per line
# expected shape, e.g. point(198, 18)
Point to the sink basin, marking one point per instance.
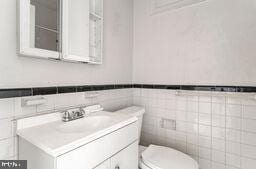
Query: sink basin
point(84, 125)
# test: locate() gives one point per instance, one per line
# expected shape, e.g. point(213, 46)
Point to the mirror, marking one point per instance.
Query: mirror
point(44, 27)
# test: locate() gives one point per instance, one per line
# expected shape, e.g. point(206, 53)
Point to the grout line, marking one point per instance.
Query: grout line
point(241, 124)
point(198, 129)
point(225, 137)
point(211, 133)
point(222, 151)
point(8, 138)
point(15, 145)
point(219, 127)
point(7, 118)
point(186, 116)
point(220, 163)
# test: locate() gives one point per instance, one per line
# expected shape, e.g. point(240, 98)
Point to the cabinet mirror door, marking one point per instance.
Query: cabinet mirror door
point(75, 30)
point(39, 28)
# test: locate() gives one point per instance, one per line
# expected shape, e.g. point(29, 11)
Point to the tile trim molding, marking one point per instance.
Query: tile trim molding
point(22, 92)
point(36, 91)
point(237, 89)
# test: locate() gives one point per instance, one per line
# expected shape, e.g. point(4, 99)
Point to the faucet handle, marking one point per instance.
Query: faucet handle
point(66, 116)
point(85, 111)
point(73, 114)
point(78, 113)
point(82, 111)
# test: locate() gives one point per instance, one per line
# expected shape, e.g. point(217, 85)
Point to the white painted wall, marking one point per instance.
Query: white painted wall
point(16, 71)
point(213, 42)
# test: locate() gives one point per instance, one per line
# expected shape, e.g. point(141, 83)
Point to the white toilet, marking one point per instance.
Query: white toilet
point(159, 157)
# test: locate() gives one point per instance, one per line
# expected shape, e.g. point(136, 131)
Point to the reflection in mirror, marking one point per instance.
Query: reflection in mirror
point(44, 24)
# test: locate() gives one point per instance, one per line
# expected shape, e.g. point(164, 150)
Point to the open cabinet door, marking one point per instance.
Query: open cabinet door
point(38, 27)
point(75, 30)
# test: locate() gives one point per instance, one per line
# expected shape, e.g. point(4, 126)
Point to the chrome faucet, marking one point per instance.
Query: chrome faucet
point(81, 112)
point(70, 115)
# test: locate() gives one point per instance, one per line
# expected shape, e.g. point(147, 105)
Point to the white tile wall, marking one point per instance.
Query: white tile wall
point(11, 108)
point(7, 148)
point(218, 131)
point(6, 108)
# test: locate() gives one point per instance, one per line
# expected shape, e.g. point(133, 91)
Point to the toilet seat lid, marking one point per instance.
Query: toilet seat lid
point(158, 157)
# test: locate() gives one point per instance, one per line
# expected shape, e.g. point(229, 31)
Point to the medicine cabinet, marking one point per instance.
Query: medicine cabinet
point(69, 30)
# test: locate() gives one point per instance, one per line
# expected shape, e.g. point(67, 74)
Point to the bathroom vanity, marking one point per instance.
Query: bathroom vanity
point(103, 140)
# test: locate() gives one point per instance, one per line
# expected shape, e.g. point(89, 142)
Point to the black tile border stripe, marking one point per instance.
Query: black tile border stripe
point(237, 89)
point(66, 89)
point(22, 92)
point(9, 93)
point(44, 90)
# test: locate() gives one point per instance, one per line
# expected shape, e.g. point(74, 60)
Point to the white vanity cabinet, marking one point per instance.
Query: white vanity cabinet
point(69, 30)
point(116, 150)
point(125, 159)
point(104, 165)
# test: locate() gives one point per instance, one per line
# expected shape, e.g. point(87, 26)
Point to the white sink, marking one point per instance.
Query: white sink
point(84, 125)
point(56, 137)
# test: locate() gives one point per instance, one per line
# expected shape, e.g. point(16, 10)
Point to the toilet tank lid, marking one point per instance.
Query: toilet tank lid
point(158, 157)
point(133, 111)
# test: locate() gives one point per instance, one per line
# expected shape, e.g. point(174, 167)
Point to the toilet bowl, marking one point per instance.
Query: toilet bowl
point(158, 157)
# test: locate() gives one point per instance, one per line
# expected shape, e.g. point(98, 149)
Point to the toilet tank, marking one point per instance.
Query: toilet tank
point(134, 111)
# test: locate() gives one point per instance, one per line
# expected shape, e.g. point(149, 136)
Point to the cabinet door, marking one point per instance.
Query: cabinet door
point(39, 34)
point(127, 158)
point(96, 31)
point(75, 30)
point(97, 151)
point(104, 165)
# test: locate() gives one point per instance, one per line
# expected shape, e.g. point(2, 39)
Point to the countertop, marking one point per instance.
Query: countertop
point(48, 138)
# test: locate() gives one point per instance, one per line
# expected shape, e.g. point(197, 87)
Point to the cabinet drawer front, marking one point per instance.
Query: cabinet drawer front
point(104, 165)
point(94, 153)
point(127, 158)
